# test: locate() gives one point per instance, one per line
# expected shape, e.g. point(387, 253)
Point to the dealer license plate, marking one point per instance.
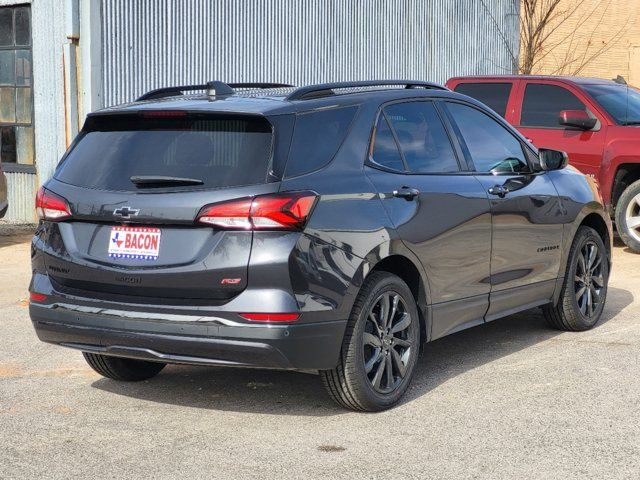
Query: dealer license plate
point(134, 243)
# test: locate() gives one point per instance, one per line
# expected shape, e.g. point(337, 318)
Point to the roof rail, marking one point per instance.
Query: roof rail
point(325, 89)
point(214, 88)
point(260, 85)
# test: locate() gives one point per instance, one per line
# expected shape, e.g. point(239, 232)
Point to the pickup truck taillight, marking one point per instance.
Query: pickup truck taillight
point(50, 206)
point(281, 211)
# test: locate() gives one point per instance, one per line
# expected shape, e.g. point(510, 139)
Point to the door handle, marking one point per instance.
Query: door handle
point(499, 190)
point(407, 193)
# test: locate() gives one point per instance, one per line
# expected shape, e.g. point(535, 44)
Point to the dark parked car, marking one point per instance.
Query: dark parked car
point(332, 227)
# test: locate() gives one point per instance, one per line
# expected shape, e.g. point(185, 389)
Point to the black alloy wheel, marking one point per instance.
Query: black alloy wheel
point(387, 344)
point(589, 278)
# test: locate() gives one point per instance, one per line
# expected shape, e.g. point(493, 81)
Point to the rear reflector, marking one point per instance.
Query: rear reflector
point(271, 317)
point(37, 297)
point(282, 211)
point(50, 206)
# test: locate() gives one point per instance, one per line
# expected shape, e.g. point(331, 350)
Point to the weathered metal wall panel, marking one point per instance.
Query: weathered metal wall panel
point(48, 37)
point(145, 44)
point(21, 194)
point(153, 43)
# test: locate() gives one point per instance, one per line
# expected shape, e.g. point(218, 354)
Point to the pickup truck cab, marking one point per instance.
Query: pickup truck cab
point(596, 121)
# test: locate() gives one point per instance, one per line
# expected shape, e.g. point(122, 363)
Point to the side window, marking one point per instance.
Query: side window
point(385, 149)
point(494, 95)
point(490, 145)
point(317, 136)
point(542, 104)
point(424, 142)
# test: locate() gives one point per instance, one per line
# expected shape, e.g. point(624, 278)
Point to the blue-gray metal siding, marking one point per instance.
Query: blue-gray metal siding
point(21, 194)
point(153, 43)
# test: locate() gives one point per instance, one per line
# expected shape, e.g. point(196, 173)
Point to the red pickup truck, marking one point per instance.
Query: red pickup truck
point(597, 122)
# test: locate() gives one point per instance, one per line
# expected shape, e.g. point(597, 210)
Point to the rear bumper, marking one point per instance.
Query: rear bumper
point(201, 340)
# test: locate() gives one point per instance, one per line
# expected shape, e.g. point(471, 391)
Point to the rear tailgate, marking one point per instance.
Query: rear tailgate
point(142, 243)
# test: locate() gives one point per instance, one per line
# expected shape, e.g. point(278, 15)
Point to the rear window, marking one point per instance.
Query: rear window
point(494, 95)
point(220, 151)
point(317, 137)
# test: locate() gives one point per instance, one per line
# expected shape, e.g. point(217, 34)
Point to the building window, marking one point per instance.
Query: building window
point(16, 87)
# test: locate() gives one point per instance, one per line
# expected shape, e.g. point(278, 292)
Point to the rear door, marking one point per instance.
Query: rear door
point(440, 211)
point(135, 184)
point(526, 211)
point(537, 119)
point(497, 94)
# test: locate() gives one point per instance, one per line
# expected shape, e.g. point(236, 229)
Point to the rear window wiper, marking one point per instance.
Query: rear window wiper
point(162, 181)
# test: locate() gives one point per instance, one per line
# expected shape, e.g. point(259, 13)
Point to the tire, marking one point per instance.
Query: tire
point(123, 369)
point(585, 279)
point(628, 216)
point(349, 384)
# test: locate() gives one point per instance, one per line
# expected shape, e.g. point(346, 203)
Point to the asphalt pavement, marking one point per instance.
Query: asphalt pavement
point(510, 399)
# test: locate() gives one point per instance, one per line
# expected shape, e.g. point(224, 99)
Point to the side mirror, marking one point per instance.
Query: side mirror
point(577, 119)
point(552, 159)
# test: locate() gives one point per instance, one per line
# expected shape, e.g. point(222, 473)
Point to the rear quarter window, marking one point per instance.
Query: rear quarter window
point(494, 95)
point(317, 136)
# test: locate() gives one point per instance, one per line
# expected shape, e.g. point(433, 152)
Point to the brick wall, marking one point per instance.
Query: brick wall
point(589, 28)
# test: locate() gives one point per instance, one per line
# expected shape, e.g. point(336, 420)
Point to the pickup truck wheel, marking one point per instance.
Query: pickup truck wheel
point(584, 290)
point(126, 369)
point(380, 347)
point(628, 216)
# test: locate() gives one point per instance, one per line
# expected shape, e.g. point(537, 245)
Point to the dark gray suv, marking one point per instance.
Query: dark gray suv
point(333, 227)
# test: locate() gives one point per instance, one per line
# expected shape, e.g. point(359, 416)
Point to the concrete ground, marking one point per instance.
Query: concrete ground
point(511, 399)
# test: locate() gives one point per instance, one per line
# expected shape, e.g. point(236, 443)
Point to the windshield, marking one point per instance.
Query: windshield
point(130, 152)
point(620, 101)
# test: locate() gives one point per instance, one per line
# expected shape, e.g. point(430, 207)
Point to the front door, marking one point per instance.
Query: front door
point(541, 107)
point(441, 213)
point(526, 212)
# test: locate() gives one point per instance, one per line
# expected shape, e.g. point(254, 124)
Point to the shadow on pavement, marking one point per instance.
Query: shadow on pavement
point(293, 393)
point(14, 239)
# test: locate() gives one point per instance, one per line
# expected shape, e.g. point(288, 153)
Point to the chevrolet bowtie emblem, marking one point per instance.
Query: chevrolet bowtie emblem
point(126, 212)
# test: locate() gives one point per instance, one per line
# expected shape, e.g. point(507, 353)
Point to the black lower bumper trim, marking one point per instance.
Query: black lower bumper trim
point(154, 356)
point(303, 346)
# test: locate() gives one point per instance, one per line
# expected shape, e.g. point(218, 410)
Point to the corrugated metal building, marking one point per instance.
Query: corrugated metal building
point(64, 58)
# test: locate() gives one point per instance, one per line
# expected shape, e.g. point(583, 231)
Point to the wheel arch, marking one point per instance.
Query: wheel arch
point(401, 262)
point(595, 221)
point(626, 174)
point(594, 216)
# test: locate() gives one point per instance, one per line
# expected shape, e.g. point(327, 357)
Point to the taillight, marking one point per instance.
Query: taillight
point(51, 206)
point(232, 215)
point(282, 211)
